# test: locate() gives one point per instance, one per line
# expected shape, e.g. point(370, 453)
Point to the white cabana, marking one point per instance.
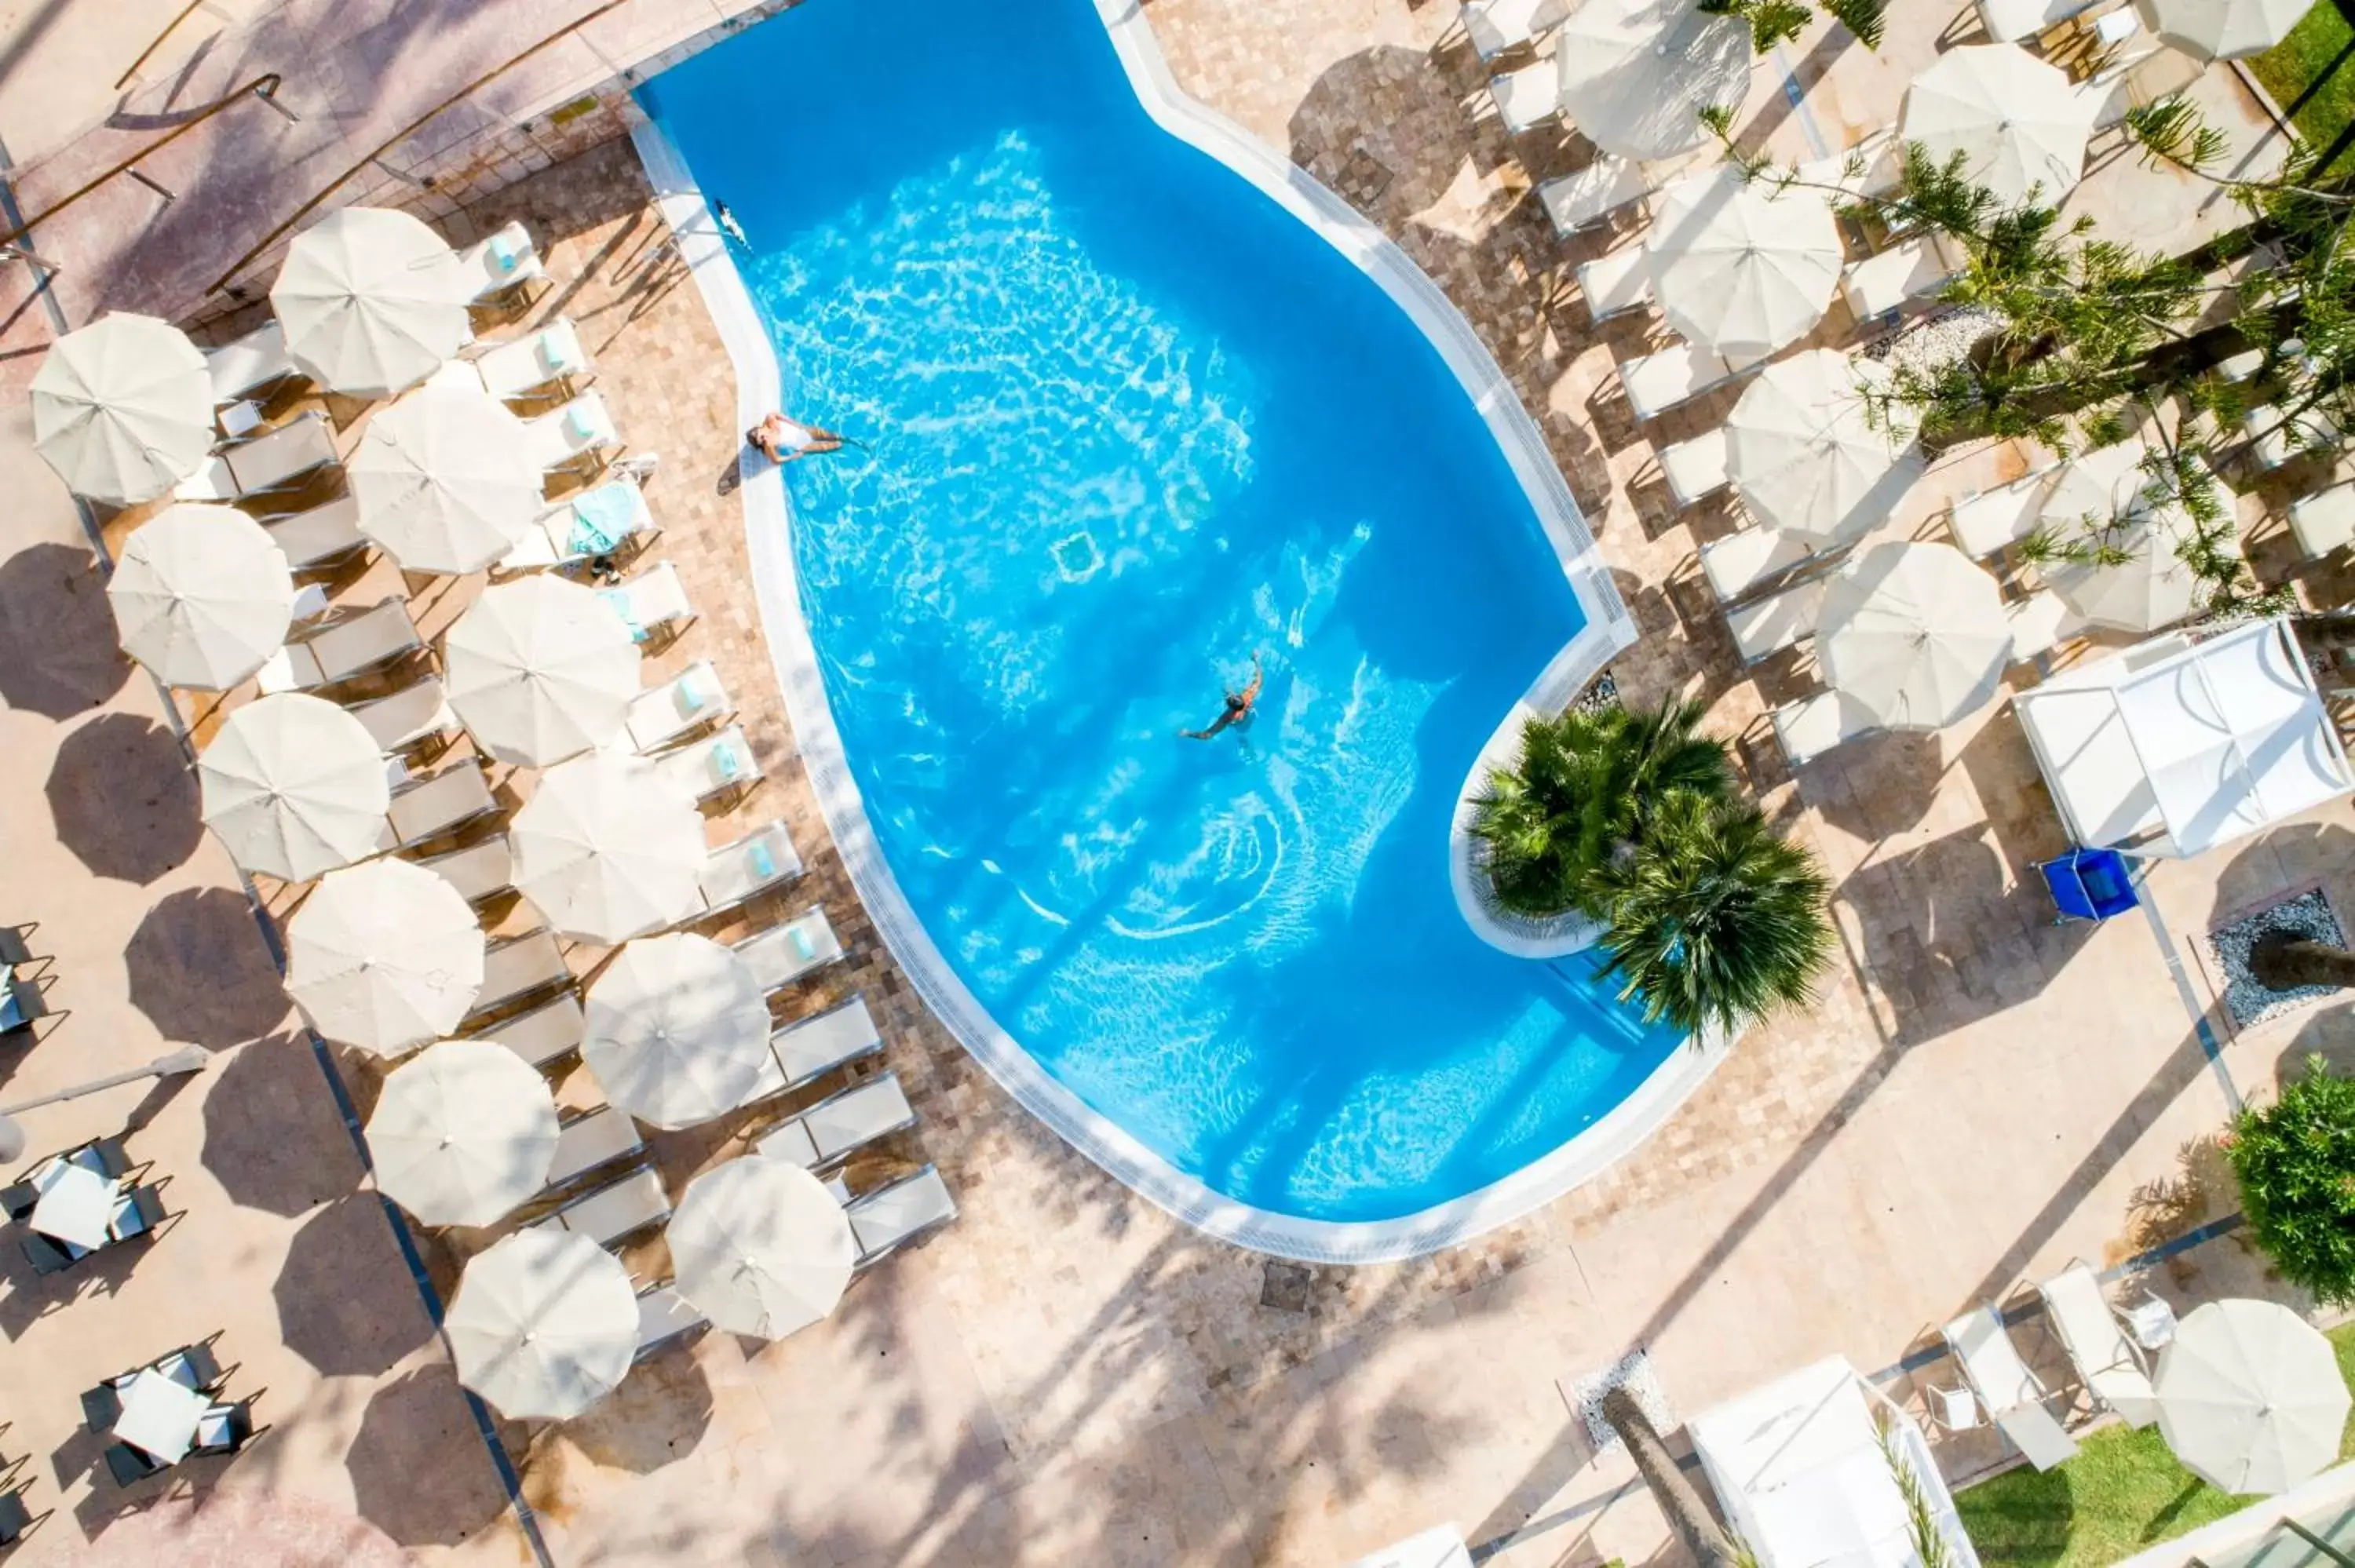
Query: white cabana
point(609, 847)
point(122, 408)
point(372, 301)
point(293, 786)
point(761, 1247)
point(1806, 457)
point(539, 670)
point(1635, 74)
point(1739, 267)
point(1800, 1470)
point(2015, 120)
point(445, 480)
point(678, 1031)
point(201, 595)
point(384, 956)
point(462, 1133)
point(2222, 29)
point(544, 1324)
point(2173, 747)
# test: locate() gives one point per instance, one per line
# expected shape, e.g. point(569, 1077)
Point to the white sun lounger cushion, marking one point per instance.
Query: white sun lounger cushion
point(663, 1316)
point(2276, 441)
point(655, 599)
point(2013, 1397)
point(253, 361)
point(523, 367)
point(319, 533)
point(717, 763)
point(344, 648)
point(1987, 523)
point(2324, 522)
point(479, 871)
point(1616, 282)
point(516, 967)
point(2104, 1358)
point(1658, 382)
point(548, 1033)
point(1528, 97)
point(892, 1215)
point(1589, 194)
point(841, 1123)
point(1696, 469)
point(409, 715)
point(1880, 160)
point(1770, 625)
point(1740, 561)
point(783, 954)
point(760, 860)
point(1496, 26)
point(2039, 623)
point(809, 1048)
point(582, 426)
point(680, 706)
point(583, 1145)
point(1911, 269)
point(293, 449)
point(1813, 726)
point(615, 1211)
point(436, 803)
point(503, 260)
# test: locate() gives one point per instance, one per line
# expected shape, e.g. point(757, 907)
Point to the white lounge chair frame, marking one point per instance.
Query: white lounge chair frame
point(891, 1216)
point(2106, 1359)
point(2012, 1394)
point(656, 718)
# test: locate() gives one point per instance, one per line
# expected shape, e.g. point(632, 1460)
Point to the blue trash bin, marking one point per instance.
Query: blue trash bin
point(2090, 884)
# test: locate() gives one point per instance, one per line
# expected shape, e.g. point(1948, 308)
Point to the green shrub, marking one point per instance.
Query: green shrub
point(2295, 1160)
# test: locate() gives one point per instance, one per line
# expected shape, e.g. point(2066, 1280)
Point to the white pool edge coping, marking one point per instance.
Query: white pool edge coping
point(793, 655)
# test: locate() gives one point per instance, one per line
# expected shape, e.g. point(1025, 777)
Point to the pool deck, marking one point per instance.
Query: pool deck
point(1065, 1375)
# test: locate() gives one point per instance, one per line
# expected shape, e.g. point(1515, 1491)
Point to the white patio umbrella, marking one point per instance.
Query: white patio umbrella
point(445, 481)
point(201, 595)
point(609, 848)
point(1740, 268)
point(678, 1030)
point(544, 1324)
point(539, 670)
point(384, 956)
point(463, 1132)
point(1806, 455)
point(761, 1247)
point(2153, 588)
point(2249, 1397)
point(2014, 119)
point(2222, 29)
point(372, 301)
point(122, 408)
point(293, 786)
point(1635, 74)
point(1914, 633)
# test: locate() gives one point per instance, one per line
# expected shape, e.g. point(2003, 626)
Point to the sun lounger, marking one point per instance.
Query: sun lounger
point(1696, 469)
point(1588, 196)
point(2013, 1396)
point(1615, 283)
point(322, 533)
point(663, 1315)
point(739, 872)
point(408, 717)
point(1658, 382)
point(661, 716)
point(2040, 623)
point(439, 802)
point(713, 766)
point(1909, 269)
point(1740, 563)
point(579, 428)
point(548, 357)
point(1496, 26)
point(840, 1124)
point(890, 1217)
point(1768, 626)
point(809, 1048)
point(2324, 522)
point(614, 1212)
point(342, 646)
point(585, 1142)
point(1987, 523)
point(783, 954)
point(1879, 160)
point(1527, 98)
point(653, 601)
point(2009, 21)
point(507, 259)
point(479, 871)
point(294, 450)
point(2275, 440)
point(251, 362)
point(516, 967)
point(1813, 726)
point(2106, 1358)
point(547, 1034)
point(596, 522)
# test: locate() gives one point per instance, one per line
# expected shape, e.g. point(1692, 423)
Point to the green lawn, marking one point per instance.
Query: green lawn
point(2123, 1491)
point(2319, 50)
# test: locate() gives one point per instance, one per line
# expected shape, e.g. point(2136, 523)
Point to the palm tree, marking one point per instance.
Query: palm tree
point(1579, 795)
point(1688, 1515)
point(2282, 961)
point(1714, 920)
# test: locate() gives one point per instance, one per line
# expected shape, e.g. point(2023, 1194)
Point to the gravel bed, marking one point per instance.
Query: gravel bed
point(2248, 1001)
point(1633, 1372)
point(1936, 341)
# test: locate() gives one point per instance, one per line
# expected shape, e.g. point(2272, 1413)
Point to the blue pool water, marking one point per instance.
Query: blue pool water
point(1130, 423)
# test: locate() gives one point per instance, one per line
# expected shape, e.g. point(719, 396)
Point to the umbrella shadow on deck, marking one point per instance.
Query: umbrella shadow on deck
point(122, 799)
point(59, 655)
point(417, 1466)
point(272, 1139)
point(325, 1316)
point(199, 971)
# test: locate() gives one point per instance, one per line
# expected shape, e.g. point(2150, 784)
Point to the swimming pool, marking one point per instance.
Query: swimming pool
point(1127, 423)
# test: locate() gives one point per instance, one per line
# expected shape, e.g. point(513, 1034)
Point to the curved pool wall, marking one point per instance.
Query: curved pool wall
point(1604, 1137)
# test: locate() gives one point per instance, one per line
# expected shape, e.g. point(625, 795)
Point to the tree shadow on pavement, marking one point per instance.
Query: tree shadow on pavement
point(122, 799)
point(343, 1298)
point(272, 1139)
point(200, 973)
point(58, 654)
point(417, 1465)
point(654, 1419)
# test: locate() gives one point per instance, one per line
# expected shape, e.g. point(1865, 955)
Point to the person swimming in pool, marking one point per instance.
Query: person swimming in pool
point(729, 225)
point(780, 440)
point(1239, 708)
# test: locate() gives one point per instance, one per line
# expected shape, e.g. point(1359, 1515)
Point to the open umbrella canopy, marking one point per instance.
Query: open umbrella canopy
point(544, 1325)
point(445, 481)
point(761, 1247)
point(678, 1030)
point(463, 1132)
point(1914, 633)
point(1635, 74)
point(2249, 1397)
point(2222, 29)
point(2013, 118)
point(372, 301)
point(1739, 267)
point(2151, 588)
point(294, 787)
point(1806, 455)
point(539, 670)
point(608, 848)
point(201, 595)
point(122, 408)
point(385, 955)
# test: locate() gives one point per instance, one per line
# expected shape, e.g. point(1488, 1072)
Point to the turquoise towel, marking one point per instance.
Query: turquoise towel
point(603, 518)
point(764, 865)
point(801, 944)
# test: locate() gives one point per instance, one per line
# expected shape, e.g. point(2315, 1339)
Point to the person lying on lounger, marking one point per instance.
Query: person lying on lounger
point(1239, 708)
point(780, 440)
